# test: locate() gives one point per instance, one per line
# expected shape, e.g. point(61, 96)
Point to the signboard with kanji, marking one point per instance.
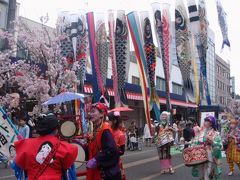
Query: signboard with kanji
point(7, 136)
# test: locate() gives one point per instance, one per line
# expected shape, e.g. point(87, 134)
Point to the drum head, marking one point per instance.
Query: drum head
point(68, 129)
point(81, 157)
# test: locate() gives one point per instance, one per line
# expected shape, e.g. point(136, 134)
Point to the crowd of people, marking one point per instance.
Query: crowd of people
point(47, 156)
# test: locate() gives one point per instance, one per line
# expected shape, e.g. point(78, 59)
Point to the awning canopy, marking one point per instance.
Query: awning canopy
point(138, 97)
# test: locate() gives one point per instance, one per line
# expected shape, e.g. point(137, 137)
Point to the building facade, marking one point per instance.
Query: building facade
point(8, 11)
point(232, 87)
point(223, 86)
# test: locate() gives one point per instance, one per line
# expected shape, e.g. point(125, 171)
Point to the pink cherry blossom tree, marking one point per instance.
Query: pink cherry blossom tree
point(42, 73)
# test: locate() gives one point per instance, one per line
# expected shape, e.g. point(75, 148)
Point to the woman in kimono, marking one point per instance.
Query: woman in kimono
point(233, 146)
point(164, 147)
point(213, 143)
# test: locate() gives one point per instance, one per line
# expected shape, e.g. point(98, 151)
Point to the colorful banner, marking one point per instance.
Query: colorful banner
point(8, 135)
point(136, 34)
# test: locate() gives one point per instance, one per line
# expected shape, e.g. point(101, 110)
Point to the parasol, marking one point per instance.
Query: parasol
point(64, 97)
point(119, 109)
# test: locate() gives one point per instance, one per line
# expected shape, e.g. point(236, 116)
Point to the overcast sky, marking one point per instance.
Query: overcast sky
point(34, 9)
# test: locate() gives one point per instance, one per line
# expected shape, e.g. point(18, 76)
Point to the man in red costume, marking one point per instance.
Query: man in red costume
point(45, 157)
point(103, 154)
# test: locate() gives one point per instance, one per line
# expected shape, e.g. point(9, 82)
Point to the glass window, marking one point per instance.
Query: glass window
point(177, 89)
point(160, 84)
point(135, 80)
point(3, 15)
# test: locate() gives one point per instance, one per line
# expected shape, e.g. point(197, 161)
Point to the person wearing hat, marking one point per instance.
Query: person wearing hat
point(103, 160)
point(233, 146)
point(212, 141)
point(119, 136)
point(45, 157)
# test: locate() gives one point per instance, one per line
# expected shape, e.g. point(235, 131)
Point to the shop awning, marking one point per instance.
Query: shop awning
point(138, 97)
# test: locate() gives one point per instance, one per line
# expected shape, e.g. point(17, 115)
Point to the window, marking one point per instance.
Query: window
point(3, 15)
point(135, 80)
point(133, 57)
point(177, 89)
point(160, 84)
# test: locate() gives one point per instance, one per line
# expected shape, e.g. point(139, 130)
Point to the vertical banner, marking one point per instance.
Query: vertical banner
point(150, 54)
point(194, 27)
point(8, 135)
point(112, 53)
point(96, 78)
point(136, 34)
point(202, 46)
point(101, 49)
point(183, 48)
point(122, 54)
point(82, 48)
point(166, 20)
point(162, 30)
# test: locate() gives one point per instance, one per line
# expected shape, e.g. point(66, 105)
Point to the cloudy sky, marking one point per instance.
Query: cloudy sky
point(34, 9)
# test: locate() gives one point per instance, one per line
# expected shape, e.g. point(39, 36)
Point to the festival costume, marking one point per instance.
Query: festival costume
point(103, 148)
point(233, 149)
point(31, 154)
point(210, 169)
point(164, 151)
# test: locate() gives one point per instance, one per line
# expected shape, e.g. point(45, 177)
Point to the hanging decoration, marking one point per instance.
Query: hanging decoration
point(136, 34)
point(102, 49)
point(194, 27)
point(96, 80)
point(122, 54)
point(150, 54)
point(202, 47)
point(74, 46)
point(183, 48)
point(112, 53)
point(222, 20)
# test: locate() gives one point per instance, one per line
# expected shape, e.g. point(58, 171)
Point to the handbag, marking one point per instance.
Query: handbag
point(46, 162)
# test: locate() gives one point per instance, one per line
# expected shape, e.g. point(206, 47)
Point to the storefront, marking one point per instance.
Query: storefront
point(181, 108)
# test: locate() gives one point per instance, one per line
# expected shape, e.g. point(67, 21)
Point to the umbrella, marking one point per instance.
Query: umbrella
point(119, 109)
point(64, 97)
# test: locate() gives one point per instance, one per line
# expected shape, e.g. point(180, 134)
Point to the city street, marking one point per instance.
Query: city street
point(145, 165)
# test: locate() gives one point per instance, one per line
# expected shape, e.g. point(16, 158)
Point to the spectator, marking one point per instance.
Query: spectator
point(23, 128)
point(147, 136)
point(196, 129)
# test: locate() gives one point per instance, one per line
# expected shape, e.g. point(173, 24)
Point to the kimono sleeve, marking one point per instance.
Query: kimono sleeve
point(217, 146)
point(69, 154)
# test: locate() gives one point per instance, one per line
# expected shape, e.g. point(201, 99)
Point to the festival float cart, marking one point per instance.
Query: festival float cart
point(71, 126)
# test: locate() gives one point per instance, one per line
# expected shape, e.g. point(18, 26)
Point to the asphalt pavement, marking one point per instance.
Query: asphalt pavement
point(144, 165)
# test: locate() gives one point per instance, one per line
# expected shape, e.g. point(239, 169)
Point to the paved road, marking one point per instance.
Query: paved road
point(144, 165)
